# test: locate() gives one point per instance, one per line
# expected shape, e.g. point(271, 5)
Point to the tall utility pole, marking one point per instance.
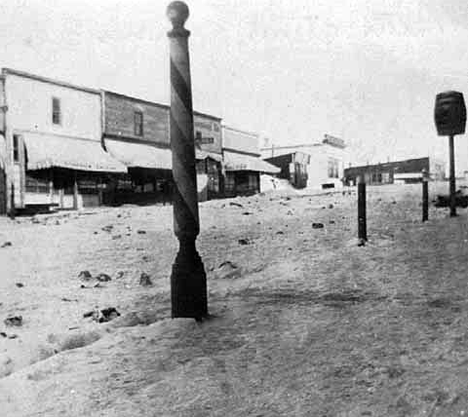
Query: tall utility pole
point(450, 120)
point(188, 279)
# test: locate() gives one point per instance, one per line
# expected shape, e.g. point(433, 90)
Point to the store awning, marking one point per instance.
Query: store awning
point(139, 155)
point(240, 162)
point(48, 151)
point(200, 155)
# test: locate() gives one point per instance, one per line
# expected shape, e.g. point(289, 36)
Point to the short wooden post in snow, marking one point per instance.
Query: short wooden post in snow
point(362, 220)
point(12, 200)
point(425, 196)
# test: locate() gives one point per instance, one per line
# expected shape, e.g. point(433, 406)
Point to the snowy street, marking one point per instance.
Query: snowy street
point(304, 321)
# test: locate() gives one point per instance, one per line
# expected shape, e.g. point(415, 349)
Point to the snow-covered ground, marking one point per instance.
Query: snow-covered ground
point(304, 321)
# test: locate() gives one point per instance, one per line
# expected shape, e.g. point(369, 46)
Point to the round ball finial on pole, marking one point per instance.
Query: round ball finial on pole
point(178, 13)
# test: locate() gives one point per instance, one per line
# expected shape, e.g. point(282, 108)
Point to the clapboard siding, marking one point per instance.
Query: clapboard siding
point(209, 127)
point(241, 141)
point(119, 118)
point(119, 121)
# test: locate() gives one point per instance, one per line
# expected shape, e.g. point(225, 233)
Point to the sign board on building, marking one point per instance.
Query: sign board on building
point(204, 140)
point(450, 113)
point(333, 141)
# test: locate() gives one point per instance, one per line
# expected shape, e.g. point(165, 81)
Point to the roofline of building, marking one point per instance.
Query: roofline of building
point(132, 98)
point(197, 113)
point(10, 71)
point(293, 146)
point(286, 154)
point(153, 103)
point(246, 132)
point(238, 151)
point(388, 163)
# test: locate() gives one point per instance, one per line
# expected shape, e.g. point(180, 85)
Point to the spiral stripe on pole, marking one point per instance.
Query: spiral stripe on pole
point(186, 218)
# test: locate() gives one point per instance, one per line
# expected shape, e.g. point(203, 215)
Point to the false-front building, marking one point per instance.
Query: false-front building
point(52, 143)
point(242, 163)
point(137, 133)
point(325, 165)
point(67, 146)
point(294, 167)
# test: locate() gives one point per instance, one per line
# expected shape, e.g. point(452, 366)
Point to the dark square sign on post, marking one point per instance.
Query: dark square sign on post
point(450, 113)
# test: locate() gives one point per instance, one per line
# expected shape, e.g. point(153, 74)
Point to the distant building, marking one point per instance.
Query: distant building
point(242, 162)
point(326, 165)
point(51, 134)
point(294, 167)
point(403, 172)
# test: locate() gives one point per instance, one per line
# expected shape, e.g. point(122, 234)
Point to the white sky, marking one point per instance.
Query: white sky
point(364, 70)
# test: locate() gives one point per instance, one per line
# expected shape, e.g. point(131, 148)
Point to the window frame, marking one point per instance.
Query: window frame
point(38, 184)
point(333, 167)
point(138, 126)
point(56, 111)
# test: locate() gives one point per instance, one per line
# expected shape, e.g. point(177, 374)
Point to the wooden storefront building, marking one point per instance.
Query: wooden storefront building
point(52, 132)
point(294, 167)
point(242, 163)
point(67, 147)
point(326, 163)
point(136, 132)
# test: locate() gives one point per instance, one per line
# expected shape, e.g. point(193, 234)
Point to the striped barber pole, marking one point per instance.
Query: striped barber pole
point(188, 279)
point(186, 219)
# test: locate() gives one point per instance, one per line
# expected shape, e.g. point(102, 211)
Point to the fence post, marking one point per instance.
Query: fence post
point(12, 200)
point(453, 207)
point(425, 196)
point(362, 221)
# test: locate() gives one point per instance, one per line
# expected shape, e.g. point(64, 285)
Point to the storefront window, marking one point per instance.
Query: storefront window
point(88, 184)
point(230, 182)
point(124, 184)
point(201, 166)
point(38, 182)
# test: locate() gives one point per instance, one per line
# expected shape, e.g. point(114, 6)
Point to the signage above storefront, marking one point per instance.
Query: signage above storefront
point(204, 140)
point(333, 141)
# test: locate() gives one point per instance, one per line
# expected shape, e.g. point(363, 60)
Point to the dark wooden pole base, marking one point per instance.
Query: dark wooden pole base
point(188, 283)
